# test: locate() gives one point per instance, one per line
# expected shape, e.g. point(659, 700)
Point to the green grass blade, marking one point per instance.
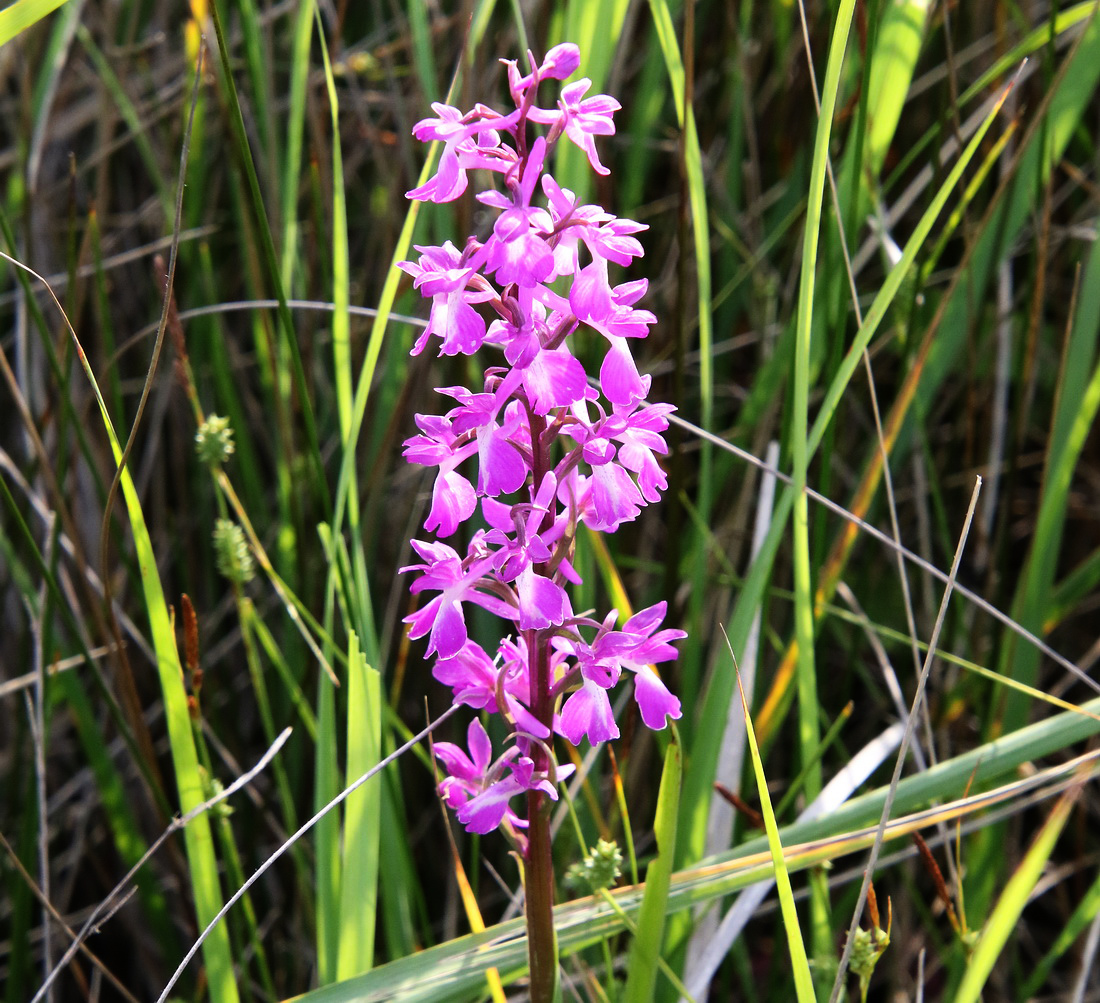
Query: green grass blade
point(251, 28)
point(296, 112)
point(898, 46)
point(808, 733)
point(697, 199)
point(267, 244)
point(359, 883)
point(118, 809)
point(595, 26)
point(46, 84)
point(130, 115)
point(693, 163)
point(423, 51)
point(1074, 926)
point(1006, 914)
point(645, 951)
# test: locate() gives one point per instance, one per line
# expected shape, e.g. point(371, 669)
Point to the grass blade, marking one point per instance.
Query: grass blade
point(362, 810)
point(197, 837)
point(1006, 914)
point(800, 965)
point(645, 951)
point(22, 14)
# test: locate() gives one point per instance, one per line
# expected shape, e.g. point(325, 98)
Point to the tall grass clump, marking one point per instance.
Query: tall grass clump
point(871, 287)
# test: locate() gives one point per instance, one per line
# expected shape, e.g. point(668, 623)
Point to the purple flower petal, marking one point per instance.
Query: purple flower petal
point(541, 603)
point(448, 633)
point(619, 377)
point(485, 812)
point(588, 712)
point(554, 379)
point(615, 496)
point(453, 502)
point(654, 700)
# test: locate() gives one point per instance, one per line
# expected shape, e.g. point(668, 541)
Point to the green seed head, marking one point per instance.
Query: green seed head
point(600, 868)
point(231, 552)
point(214, 440)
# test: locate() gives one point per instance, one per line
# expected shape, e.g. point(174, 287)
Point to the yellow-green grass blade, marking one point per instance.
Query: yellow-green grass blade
point(374, 342)
point(632, 928)
point(645, 950)
point(800, 451)
point(955, 218)
point(22, 14)
point(326, 785)
point(1006, 914)
point(326, 840)
point(898, 45)
point(1031, 43)
point(479, 24)
point(800, 965)
point(202, 862)
point(1039, 38)
point(362, 823)
point(357, 590)
point(949, 330)
point(1077, 923)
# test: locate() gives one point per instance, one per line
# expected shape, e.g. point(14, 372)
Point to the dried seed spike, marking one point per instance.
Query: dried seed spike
point(872, 906)
point(190, 633)
point(175, 328)
point(937, 877)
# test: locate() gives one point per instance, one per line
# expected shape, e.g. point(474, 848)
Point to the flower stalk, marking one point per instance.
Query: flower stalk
point(551, 453)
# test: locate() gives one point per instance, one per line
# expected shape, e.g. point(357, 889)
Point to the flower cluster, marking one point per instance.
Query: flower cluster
point(551, 452)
